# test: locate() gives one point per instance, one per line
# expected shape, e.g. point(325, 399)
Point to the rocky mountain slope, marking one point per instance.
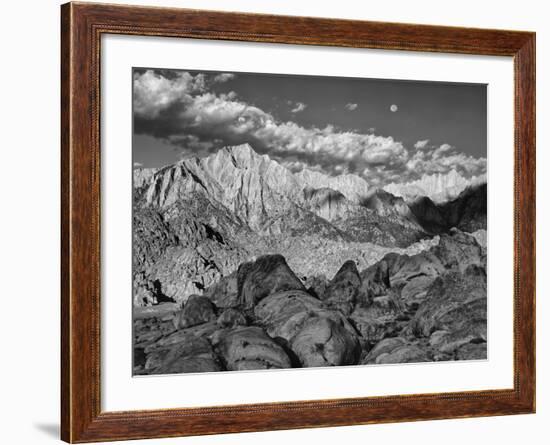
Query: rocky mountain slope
point(351, 186)
point(439, 187)
point(466, 212)
point(430, 306)
point(196, 221)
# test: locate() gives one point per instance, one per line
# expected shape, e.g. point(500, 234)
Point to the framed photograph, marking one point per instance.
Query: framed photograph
point(275, 222)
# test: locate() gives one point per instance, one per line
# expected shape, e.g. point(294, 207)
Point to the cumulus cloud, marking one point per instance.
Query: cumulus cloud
point(445, 158)
point(154, 92)
point(421, 144)
point(298, 106)
point(351, 107)
point(297, 166)
point(182, 110)
point(223, 77)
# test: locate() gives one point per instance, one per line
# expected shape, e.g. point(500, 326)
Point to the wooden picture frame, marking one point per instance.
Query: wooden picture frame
point(82, 25)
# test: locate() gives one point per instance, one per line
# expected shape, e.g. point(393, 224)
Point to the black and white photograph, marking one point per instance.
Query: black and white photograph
point(289, 221)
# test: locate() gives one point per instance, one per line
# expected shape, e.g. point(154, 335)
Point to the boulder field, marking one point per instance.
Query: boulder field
point(427, 307)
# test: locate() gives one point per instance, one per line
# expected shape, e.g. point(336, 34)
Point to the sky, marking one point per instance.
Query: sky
point(382, 130)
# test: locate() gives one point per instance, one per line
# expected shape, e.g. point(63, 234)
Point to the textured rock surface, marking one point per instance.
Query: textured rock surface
point(284, 314)
point(194, 354)
point(267, 275)
point(246, 348)
point(324, 342)
point(457, 303)
point(197, 310)
point(225, 293)
point(231, 318)
point(404, 354)
point(384, 317)
point(344, 290)
point(352, 187)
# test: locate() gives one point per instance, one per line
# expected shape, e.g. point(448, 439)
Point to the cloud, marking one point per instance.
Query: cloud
point(445, 158)
point(181, 109)
point(421, 144)
point(350, 106)
point(297, 166)
point(223, 77)
point(138, 164)
point(298, 107)
point(443, 148)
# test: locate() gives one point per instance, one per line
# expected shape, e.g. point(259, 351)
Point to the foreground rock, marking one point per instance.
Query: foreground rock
point(319, 336)
point(323, 342)
point(344, 291)
point(383, 318)
point(194, 354)
point(231, 318)
point(225, 293)
point(456, 309)
point(197, 310)
point(430, 306)
point(248, 348)
point(412, 276)
point(267, 275)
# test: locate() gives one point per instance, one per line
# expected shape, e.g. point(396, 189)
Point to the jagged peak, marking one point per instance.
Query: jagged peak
point(439, 187)
point(242, 151)
point(222, 166)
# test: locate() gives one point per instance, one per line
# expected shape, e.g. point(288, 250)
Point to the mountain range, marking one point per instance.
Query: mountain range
point(439, 187)
point(197, 220)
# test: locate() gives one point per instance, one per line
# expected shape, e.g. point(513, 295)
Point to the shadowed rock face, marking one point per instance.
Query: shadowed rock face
point(384, 317)
point(343, 292)
point(327, 203)
point(267, 275)
point(225, 293)
point(429, 215)
point(231, 318)
point(197, 310)
point(467, 212)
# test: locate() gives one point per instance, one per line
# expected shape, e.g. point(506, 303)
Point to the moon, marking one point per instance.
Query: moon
point(393, 108)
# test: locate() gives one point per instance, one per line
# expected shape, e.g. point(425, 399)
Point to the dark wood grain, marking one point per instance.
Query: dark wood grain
point(81, 28)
